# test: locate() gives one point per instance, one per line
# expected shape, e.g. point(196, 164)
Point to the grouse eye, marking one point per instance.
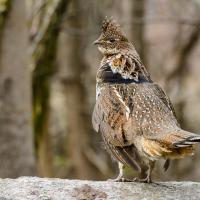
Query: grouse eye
point(112, 40)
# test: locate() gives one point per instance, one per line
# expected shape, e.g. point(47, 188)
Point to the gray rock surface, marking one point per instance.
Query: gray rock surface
point(34, 188)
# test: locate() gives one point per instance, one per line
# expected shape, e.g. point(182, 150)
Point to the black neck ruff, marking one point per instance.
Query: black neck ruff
point(106, 75)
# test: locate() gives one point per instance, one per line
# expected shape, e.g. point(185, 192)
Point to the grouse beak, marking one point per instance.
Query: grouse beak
point(98, 41)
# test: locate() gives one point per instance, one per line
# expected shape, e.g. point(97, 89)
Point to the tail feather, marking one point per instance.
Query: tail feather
point(172, 145)
point(189, 140)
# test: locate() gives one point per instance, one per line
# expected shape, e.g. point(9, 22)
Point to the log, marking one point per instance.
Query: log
point(34, 188)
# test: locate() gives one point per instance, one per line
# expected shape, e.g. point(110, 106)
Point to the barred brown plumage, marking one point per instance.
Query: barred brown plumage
point(133, 114)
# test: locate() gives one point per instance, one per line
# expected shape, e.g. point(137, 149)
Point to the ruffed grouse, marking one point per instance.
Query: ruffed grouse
point(135, 117)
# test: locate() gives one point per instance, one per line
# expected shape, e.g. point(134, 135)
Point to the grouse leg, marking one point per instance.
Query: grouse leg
point(148, 172)
point(120, 177)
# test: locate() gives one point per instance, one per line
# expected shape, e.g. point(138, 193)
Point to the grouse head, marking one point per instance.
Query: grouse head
point(112, 40)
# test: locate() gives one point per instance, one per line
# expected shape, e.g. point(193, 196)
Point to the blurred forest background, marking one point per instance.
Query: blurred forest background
point(47, 80)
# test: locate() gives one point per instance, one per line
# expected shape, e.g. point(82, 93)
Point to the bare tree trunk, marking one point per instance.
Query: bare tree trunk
point(45, 26)
point(16, 141)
